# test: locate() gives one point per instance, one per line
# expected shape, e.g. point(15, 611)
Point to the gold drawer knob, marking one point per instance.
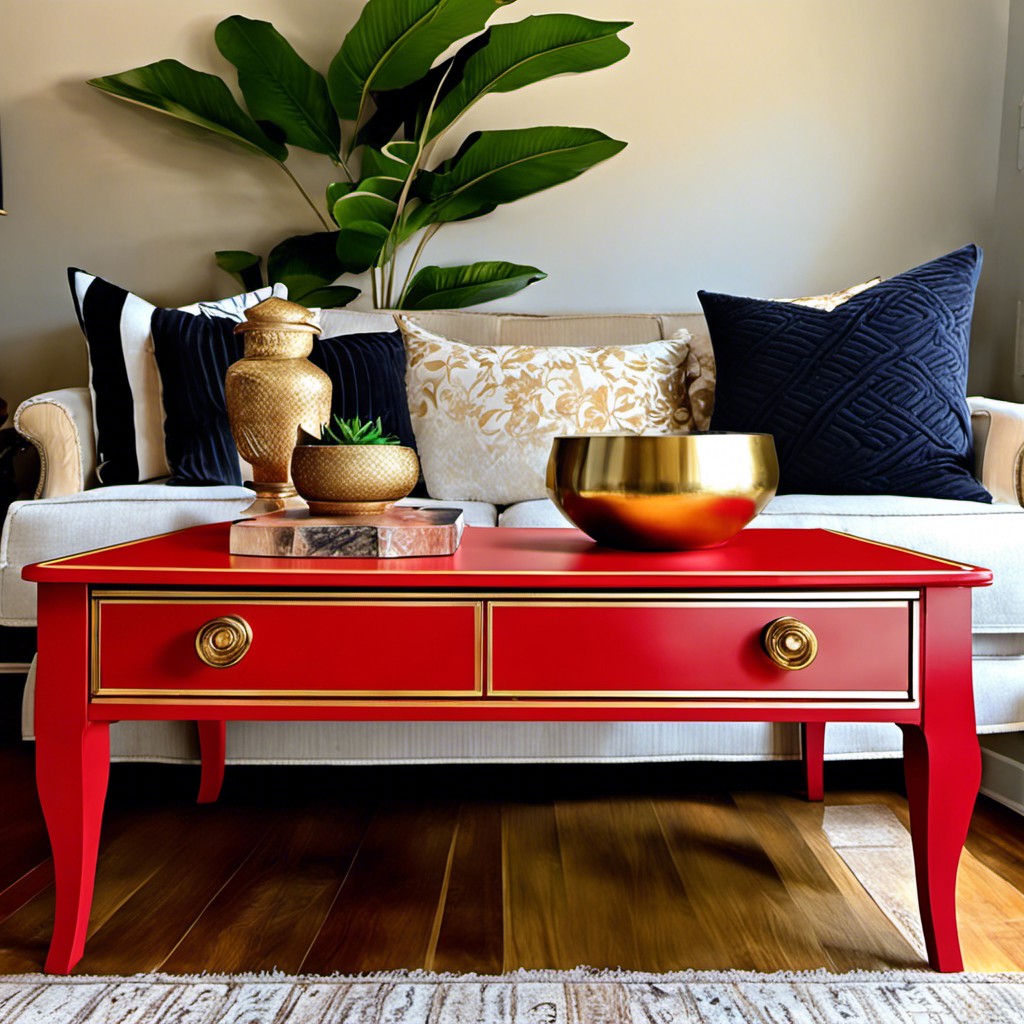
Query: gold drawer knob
point(222, 642)
point(790, 643)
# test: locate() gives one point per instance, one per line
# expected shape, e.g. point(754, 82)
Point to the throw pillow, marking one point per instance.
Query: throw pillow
point(829, 301)
point(702, 382)
point(123, 377)
point(484, 415)
point(866, 399)
point(193, 354)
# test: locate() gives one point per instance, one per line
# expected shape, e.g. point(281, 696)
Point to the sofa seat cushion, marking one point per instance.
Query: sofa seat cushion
point(968, 531)
point(54, 527)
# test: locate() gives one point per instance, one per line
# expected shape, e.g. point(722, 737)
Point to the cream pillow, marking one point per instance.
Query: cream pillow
point(828, 302)
point(484, 415)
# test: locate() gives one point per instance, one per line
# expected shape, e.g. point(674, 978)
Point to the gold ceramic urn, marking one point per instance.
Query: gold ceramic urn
point(273, 391)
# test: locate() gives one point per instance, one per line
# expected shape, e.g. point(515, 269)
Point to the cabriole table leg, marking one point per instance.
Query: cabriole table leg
point(812, 743)
point(72, 767)
point(212, 751)
point(942, 761)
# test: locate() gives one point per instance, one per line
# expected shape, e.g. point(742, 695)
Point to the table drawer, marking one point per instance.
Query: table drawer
point(866, 650)
point(303, 647)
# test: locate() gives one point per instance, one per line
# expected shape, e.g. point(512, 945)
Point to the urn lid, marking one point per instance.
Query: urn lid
point(276, 314)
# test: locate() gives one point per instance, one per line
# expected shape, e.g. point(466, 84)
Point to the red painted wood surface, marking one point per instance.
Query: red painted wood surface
point(72, 765)
point(593, 649)
point(297, 646)
point(942, 761)
point(476, 709)
point(213, 749)
point(542, 559)
point(941, 748)
point(812, 746)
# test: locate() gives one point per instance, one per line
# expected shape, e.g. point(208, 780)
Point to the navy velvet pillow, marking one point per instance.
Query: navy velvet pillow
point(866, 399)
point(193, 354)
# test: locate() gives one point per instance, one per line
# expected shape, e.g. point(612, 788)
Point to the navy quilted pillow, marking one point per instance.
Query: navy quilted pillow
point(193, 354)
point(866, 399)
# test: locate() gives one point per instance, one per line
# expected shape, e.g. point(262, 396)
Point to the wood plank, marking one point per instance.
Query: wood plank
point(737, 895)
point(23, 840)
point(27, 888)
point(131, 849)
point(626, 904)
point(23, 846)
point(529, 879)
point(271, 910)
point(385, 912)
point(208, 848)
point(535, 900)
point(861, 909)
point(471, 937)
point(851, 941)
point(986, 900)
point(997, 839)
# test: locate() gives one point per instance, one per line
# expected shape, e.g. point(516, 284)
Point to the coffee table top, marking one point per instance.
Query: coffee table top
point(544, 559)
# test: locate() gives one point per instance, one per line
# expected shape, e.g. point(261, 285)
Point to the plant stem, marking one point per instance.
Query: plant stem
point(340, 162)
point(376, 290)
point(428, 234)
point(305, 195)
point(390, 248)
point(391, 278)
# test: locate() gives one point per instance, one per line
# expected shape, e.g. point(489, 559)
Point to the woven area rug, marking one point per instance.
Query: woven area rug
point(526, 997)
point(877, 849)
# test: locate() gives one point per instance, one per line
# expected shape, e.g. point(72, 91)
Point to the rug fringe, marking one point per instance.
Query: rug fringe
point(581, 974)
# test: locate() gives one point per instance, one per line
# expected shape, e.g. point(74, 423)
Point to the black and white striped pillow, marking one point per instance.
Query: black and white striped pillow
point(128, 413)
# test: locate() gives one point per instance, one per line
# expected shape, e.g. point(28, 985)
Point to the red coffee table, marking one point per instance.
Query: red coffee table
point(527, 625)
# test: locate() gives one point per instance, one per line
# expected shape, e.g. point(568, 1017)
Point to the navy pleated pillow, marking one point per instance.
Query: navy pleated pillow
point(866, 399)
point(193, 354)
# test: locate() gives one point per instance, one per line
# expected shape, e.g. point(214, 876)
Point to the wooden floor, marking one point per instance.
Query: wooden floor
point(485, 868)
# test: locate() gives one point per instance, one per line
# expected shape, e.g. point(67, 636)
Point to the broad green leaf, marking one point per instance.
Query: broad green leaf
point(528, 51)
point(381, 185)
point(332, 297)
point(278, 85)
point(455, 287)
point(394, 160)
point(243, 266)
point(170, 87)
point(365, 220)
point(498, 167)
point(394, 42)
point(406, 108)
point(305, 262)
point(336, 190)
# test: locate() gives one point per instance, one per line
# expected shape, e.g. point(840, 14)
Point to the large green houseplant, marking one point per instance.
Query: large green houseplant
point(378, 115)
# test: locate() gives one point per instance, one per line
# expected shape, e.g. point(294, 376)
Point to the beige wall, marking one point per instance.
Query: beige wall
point(775, 147)
point(993, 366)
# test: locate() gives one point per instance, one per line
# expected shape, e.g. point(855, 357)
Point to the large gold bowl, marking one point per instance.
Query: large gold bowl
point(665, 492)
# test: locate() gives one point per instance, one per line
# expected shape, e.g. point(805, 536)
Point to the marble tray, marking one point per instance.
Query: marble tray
point(397, 533)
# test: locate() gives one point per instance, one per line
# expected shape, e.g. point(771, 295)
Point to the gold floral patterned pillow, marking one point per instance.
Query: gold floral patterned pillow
point(484, 415)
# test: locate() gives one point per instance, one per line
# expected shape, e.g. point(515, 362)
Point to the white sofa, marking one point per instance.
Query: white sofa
point(70, 514)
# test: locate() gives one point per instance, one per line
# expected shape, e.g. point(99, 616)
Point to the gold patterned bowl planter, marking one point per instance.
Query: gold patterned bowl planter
point(353, 479)
point(667, 492)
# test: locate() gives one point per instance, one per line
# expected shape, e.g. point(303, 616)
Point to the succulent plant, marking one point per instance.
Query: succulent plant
point(355, 431)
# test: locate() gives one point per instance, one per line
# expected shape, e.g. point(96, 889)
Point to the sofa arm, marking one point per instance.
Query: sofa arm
point(999, 447)
point(59, 424)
